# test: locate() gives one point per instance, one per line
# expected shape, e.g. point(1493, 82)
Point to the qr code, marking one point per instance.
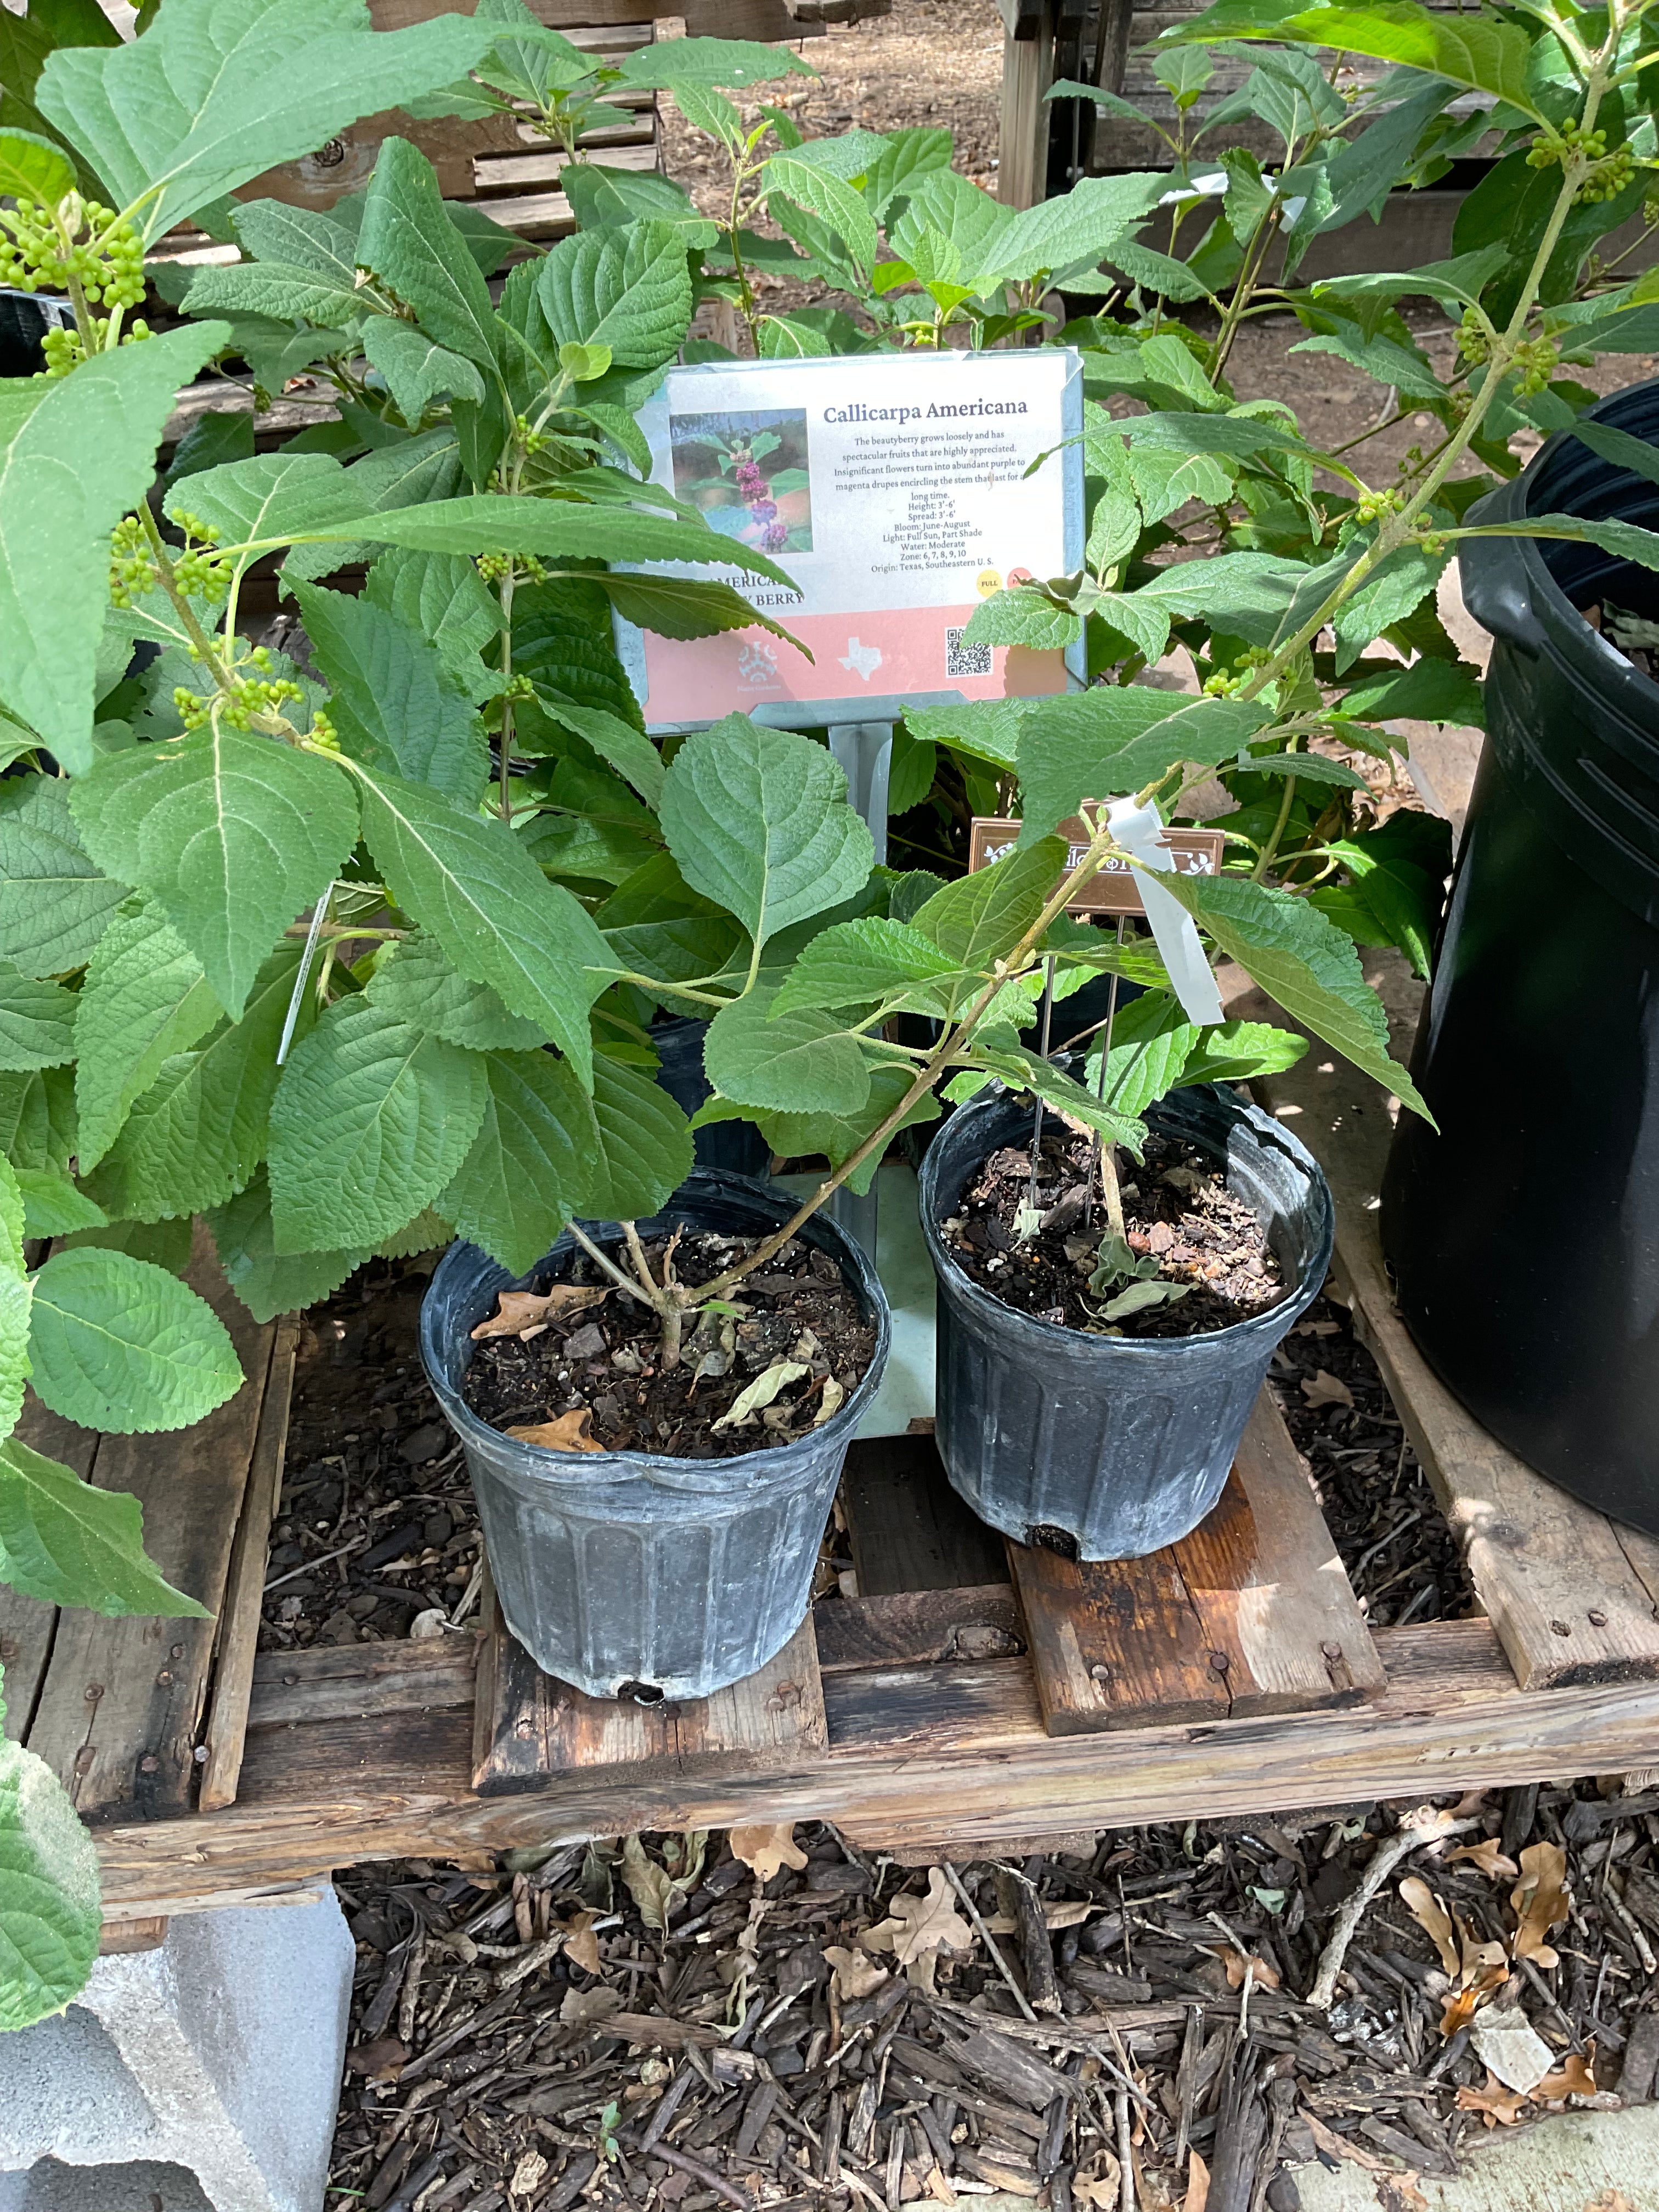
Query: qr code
point(961, 659)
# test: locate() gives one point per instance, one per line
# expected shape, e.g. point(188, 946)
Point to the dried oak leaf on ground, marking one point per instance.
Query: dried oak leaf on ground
point(765, 1850)
point(857, 1974)
point(919, 1928)
point(1541, 1899)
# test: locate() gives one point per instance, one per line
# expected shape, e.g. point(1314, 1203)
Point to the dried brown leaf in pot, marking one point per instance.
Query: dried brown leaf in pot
point(568, 1433)
point(518, 1310)
point(765, 1850)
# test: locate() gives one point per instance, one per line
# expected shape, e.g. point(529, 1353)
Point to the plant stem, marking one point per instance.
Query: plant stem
point(601, 1258)
point(1265, 857)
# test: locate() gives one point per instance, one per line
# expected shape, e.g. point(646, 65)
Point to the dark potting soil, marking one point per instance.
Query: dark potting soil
point(795, 1323)
point(1176, 1209)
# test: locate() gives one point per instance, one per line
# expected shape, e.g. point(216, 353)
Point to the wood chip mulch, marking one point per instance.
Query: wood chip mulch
point(830, 2028)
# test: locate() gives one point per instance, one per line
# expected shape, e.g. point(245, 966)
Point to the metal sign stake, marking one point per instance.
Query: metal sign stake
point(865, 751)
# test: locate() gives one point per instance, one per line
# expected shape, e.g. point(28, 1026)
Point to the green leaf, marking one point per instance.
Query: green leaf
point(987, 730)
point(1080, 226)
point(533, 1157)
point(797, 1062)
point(626, 290)
point(266, 1281)
point(1237, 1052)
point(443, 598)
point(905, 158)
point(195, 1137)
point(858, 963)
point(125, 1348)
point(51, 1917)
point(416, 983)
point(759, 822)
point(734, 63)
point(54, 1206)
point(793, 177)
point(392, 701)
point(1024, 616)
point(980, 919)
point(1111, 741)
point(55, 903)
point(1428, 691)
point(1027, 1071)
point(1305, 963)
point(144, 999)
point(796, 1136)
point(469, 882)
point(271, 230)
point(643, 1144)
point(1472, 51)
point(614, 740)
point(33, 168)
point(233, 835)
point(167, 1244)
point(282, 290)
point(409, 242)
point(407, 472)
point(1151, 1046)
point(67, 1543)
point(76, 454)
point(37, 1022)
point(37, 1119)
point(215, 94)
point(416, 369)
point(371, 1120)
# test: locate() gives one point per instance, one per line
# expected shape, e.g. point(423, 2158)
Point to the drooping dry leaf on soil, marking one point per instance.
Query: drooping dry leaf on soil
point(569, 1432)
point(1431, 1917)
point(1488, 1856)
point(658, 1888)
point(1540, 1900)
point(1326, 1389)
point(1498, 2106)
point(518, 1311)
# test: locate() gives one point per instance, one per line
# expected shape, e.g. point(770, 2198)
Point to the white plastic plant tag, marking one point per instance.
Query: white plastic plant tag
point(1140, 832)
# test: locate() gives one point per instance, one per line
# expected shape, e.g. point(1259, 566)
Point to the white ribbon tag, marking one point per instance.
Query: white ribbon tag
point(1139, 831)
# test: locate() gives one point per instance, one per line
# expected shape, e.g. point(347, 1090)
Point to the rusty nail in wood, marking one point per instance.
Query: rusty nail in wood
point(176, 1651)
point(1560, 1628)
point(93, 1691)
point(1220, 1661)
point(164, 1677)
point(148, 1763)
point(1100, 1672)
point(1598, 1620)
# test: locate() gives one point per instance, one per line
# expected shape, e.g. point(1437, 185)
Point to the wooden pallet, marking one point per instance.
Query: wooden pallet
point(957, 1703)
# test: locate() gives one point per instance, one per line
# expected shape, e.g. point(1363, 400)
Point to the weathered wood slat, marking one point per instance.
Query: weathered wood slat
point(118, 1714)
point(239, 1618)
point(1571, 1596)
point(910, 1628)
point(1251, 1613)
point(908, 1529)
point(359, 1682)
point(974, 1757)
point(530, 1729)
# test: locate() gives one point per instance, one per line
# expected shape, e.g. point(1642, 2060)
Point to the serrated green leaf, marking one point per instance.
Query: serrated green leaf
point(213, 94)
point(1027, 1071)
point(797, 1063)
point(407, 239)
point(428, 1231)
point(1111, 741)
point(33, 168)
point(55, 903)
point(758, 821)
point(1024, 616)
point(417, 369)
point(51, 1917)
point(627, 289)
point(406, 472)
point(144, 999)
point(37, 1119)
point(906, 157)
point(856, 964)
point(392, 701)
point(54, 1206)
point(642, 1143)
point(417, 984)
point(67, 1543)
point(1302, 960)
point(281, 290)
point(792, 176)
point(371, 1120)
point(979, 919)
point(1237, 1052)
point(233, 835)
point(987, 730)
point(76, 454)
point(532, 1159)
point(614, 740)
point(168, 1244)
point(1078, 227)
point(443, 598)
point(37, 1022)
point(734, 63)
point(125, 1348)
point(1430, 690)
point(195, 1137)
point(268, 1282)
point(1476, 52)
point(838, 1136)
point(471, 882)
point(271, 230)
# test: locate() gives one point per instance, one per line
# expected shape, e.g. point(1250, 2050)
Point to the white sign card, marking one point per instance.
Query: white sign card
point(892, 489)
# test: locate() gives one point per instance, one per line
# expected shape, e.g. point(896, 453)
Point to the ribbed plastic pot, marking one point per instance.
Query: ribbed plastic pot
point(25, 318)
point(1524, 1237)
point(737, 1146)
point(630, 1572)
point(1121, 1443)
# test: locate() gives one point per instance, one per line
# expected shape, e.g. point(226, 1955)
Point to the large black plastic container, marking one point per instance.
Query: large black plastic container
point(25, 318)
point(630, 1571)
point(1122, 1443)
point(736, 1147)
point(1525, 1237)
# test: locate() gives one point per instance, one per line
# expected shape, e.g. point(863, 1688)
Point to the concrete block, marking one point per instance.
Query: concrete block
point(212, 2063)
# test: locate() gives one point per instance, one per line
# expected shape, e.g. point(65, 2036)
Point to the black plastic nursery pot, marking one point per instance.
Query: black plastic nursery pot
point(25, 318)
point(737, 1146)
point(1524, 1238)
point(630, 1572)
point(1122, 1444)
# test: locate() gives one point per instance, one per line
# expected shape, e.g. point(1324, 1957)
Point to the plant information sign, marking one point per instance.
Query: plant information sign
point(893, 490)
point(1116, 889)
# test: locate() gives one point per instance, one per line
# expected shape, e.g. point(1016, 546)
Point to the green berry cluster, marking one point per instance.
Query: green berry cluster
point(132, 570)
point(497, 567)
point(1553, 147)
point(1536, 361)
point(530, 440)
point(1609, 178)
point(248, 695)
point(323, 734)
point(80, 242)
point(199, 571)
point(1372, 505)
point(1473, 338)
